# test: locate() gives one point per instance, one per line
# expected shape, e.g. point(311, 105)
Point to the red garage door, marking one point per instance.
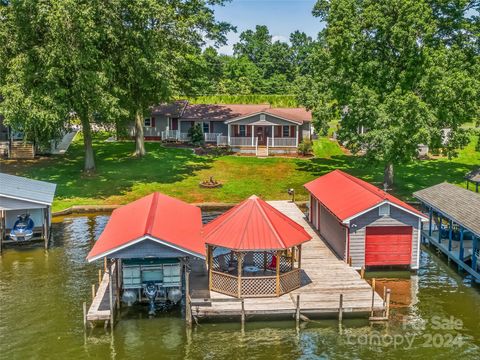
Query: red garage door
point(388, 245)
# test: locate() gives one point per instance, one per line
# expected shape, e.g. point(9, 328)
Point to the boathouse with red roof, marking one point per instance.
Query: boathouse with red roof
point(363, 224)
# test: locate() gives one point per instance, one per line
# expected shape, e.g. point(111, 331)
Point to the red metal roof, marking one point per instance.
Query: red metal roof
point(254, 225)
point(345, 195)
point(157, 216)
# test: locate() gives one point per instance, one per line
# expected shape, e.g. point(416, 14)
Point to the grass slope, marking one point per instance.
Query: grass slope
point(122, 178)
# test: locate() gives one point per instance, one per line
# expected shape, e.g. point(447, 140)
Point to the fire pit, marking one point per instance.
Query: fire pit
point(210, 183)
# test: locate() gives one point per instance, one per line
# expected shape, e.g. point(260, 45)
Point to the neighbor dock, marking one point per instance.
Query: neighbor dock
point(330, 287)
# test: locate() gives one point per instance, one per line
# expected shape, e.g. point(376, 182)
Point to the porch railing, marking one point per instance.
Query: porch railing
point(240, 141)
point(282, 142)
point(222, 140)
point(211, 137)
point(174, 135)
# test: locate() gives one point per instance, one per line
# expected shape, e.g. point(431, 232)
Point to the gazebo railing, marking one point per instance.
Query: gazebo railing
point(262, 260)
point(265, 283)
point(224, 283)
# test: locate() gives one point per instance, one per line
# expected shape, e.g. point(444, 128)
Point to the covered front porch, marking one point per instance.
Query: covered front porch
point(261, 134)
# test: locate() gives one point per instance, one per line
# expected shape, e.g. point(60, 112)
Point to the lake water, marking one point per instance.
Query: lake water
point(435, 315)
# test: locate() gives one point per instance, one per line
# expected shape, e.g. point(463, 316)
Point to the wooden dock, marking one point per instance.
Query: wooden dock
point(100, 308)
point(325, 279)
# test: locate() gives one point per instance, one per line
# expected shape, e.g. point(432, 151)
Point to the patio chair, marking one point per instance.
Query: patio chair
point(248, 260)
point(223, 265)
point(273, 264)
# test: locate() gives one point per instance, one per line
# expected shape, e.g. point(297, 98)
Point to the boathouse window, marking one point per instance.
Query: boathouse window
point(242, 130)
point(147, 122)
point(286, 131)
point(206, 127)
point(384, 210)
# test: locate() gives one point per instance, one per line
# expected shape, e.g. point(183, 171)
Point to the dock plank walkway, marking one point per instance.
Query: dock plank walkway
point(100, 308)
point(324, 278)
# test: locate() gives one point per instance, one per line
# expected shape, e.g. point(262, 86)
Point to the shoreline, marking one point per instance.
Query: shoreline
point(92, 209)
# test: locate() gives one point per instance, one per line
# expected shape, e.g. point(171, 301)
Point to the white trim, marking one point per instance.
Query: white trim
point(347, 220)
point(262, 113)
point(25, 199)
point(418, 246)
point(145, 237)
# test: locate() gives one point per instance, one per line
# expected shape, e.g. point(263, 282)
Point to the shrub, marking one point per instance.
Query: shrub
point(305, 147)
point(196, 135)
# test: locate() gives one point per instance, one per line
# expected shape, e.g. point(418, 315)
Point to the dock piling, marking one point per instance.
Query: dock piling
point(84, 315)
point(99, 276)
point(340, 309)
point(243, 313)
point(362, 272)
point(93, 291)
point(387, 300)
point(373, 297)
point(297, 310)
point(188, 305)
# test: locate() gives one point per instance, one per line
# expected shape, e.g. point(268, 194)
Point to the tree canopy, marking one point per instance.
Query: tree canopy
point(396, 73)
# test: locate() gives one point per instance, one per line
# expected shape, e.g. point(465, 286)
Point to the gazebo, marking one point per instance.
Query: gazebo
point(254, 250)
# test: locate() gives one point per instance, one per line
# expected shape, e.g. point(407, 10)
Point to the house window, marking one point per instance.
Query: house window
point(206, 127)
point(384, 210)
point(147, 122)
point(242, 130)
point(286, 131)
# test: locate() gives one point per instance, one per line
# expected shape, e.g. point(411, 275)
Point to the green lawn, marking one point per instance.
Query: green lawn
point(122, 178)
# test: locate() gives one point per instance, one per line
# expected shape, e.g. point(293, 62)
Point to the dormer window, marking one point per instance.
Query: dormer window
point(384, 210)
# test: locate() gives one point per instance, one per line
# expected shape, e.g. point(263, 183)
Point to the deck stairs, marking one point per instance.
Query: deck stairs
point(262, 152)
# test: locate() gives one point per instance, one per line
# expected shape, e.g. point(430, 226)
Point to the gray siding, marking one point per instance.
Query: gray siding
point(185, 126)
point(219, 127)
point(255, 118)
point(397, 217)
point(147, 248)
point(305, 131)
point(161, 123)
point(332, 231)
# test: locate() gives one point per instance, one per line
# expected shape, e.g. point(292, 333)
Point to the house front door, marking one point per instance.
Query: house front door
point(261, 135)
point(174, 124)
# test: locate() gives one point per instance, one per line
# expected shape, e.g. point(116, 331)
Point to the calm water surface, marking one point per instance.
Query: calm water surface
point(435, 315)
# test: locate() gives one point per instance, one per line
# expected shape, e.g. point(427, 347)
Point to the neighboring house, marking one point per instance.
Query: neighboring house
point(12, 144)
point(363, 224)
point(245, 128)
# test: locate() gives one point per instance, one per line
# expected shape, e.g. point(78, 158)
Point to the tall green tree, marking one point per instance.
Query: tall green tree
point(386, 67)
point(154, 41)
point(55, 66)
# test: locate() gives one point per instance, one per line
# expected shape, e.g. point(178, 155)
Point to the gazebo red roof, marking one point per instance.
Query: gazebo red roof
point(346, 196)
point(157, 217)
point(254, 225)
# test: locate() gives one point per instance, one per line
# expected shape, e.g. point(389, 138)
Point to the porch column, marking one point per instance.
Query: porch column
point(450, 233)
point(474, 252)
point(296, 137)
point(461, 252)
point(253, 136)
point(278, 272)
point(228, 135)
point(273, 136)
point(430, 217)
point(440, 228)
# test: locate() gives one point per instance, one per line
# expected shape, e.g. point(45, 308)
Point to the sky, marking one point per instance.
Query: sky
point(282, 17)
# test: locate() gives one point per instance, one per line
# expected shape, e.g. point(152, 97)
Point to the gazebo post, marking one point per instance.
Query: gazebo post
point(210, 261)
point(300, 256)
point(292, 258)
point(239, 272)
point(278, 272)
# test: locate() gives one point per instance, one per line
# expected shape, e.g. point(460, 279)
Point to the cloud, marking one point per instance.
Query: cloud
point(280, 38)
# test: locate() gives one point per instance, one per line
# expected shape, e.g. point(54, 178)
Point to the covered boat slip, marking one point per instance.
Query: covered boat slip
point(328, 284)
point(25, 210)
point(454, 224)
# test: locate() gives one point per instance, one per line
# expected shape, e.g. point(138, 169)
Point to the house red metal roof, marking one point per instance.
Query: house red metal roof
point(345, 195)
point(254, 225)
point(156, 216)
